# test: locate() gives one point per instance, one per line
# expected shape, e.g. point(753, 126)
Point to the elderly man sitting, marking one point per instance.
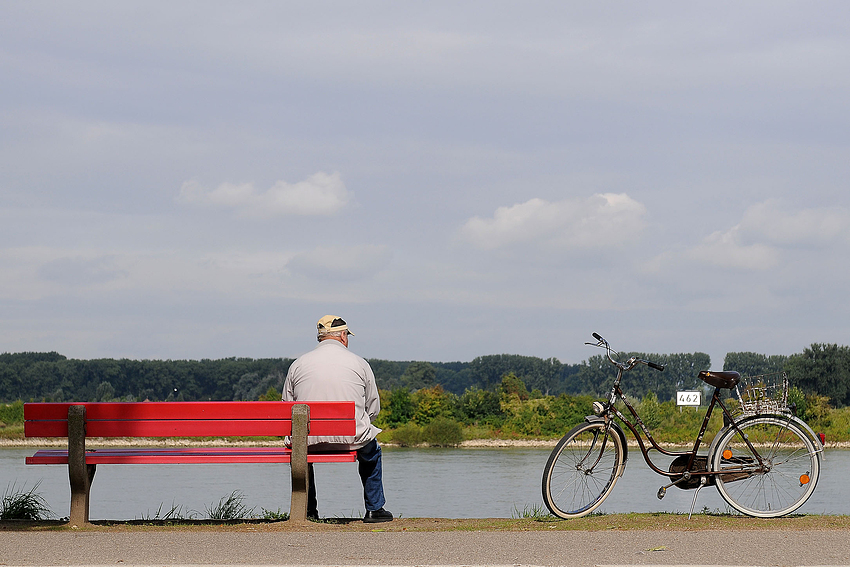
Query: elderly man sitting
point(330, 372)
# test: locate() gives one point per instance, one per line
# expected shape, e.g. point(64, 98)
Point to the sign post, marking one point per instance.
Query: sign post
point(689, 398)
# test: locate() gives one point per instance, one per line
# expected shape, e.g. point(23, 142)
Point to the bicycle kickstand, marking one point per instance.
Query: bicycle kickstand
point(702, 482)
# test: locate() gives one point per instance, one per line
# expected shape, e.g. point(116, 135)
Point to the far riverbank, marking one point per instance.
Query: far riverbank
point(147, 442)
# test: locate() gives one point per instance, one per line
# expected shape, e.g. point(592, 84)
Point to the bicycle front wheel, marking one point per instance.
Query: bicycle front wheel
point(582, 470)
point(786, 476)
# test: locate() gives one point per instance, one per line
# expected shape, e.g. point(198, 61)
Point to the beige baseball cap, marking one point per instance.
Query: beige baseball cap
point(332, 323)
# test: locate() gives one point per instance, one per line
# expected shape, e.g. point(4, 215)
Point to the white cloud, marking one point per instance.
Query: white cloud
point(321, 194)
point(723, 249)
point(602, 220)
point(341, 263)
point(767, 230)
point(807, 227)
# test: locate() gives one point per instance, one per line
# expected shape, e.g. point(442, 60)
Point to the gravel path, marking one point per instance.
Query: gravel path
point(357, 544)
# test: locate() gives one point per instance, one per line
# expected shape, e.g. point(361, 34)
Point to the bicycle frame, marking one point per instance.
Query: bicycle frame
point(618, 394)
point(689, 471)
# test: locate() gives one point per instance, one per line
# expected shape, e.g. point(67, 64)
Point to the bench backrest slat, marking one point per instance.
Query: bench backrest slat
point(188, 410)
point(188, 419)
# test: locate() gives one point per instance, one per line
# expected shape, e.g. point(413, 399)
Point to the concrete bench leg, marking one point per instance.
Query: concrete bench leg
point(79, 474)
point(298, 463)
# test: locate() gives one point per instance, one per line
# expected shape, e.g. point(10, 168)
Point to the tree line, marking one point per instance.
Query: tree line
point(822, 369)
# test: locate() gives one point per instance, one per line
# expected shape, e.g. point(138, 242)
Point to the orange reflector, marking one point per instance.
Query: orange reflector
point(727, 454)
point(804, 479)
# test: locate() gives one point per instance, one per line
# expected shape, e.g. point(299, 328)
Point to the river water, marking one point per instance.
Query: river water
point(429, 483)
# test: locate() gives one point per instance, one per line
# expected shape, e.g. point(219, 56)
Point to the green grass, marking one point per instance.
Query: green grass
point(536, 512)
point(13, 431)
point(230, 508)
point(173, 514)
point(23, 504)
point(277, 516)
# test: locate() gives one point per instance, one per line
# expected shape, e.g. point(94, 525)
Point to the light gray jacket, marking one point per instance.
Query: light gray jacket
point(330, 372)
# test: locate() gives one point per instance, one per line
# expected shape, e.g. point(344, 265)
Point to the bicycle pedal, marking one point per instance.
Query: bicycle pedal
point(662, 492)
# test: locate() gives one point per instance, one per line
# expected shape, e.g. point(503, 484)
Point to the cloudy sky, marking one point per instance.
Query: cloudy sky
point(455, 179)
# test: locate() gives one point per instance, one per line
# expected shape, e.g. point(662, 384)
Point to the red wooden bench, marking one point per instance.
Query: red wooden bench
point(81, 421)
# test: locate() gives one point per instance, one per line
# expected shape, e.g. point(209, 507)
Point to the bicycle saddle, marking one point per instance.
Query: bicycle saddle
point(728, 379)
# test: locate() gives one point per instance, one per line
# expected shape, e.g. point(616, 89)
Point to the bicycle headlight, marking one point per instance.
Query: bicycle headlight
point(598, 408)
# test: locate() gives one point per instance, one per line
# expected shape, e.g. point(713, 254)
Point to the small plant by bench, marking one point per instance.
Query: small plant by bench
point(81, 421)
point(23, 504)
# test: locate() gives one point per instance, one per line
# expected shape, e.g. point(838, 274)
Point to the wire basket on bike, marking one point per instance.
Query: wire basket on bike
point(765, 393)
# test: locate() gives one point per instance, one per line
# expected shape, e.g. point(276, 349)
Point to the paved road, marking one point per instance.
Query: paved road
point(257, 547)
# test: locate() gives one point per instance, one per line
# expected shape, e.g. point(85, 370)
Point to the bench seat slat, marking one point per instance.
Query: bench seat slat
point(189, 428)
point(187, 455)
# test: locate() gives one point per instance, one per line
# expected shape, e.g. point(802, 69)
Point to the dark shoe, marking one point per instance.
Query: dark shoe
point(373, 517)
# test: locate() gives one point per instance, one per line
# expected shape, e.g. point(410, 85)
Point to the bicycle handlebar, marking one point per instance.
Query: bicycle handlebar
point(624, 366)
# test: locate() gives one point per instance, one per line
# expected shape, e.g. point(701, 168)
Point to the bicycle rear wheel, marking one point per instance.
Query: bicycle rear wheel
point(788, 476)
point(582, 470)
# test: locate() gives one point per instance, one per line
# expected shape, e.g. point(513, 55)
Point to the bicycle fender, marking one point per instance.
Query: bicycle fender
point(811, 433)
point(619, 431)
point(797, 421)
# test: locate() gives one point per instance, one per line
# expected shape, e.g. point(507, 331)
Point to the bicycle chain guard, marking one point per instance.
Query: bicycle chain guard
point(679, 465)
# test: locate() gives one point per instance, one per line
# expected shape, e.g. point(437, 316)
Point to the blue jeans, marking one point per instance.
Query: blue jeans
point(371, 475)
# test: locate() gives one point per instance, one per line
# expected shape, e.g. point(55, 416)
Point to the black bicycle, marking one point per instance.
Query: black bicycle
point(765, 461)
